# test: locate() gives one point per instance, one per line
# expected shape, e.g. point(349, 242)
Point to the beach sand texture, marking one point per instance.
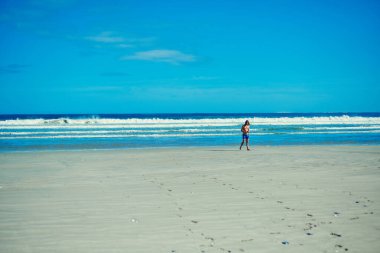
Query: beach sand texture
point(210, 199)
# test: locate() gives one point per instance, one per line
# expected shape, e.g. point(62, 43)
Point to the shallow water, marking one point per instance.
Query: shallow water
point(64, 132)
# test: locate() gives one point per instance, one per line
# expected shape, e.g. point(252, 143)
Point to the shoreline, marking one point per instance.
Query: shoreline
point(252, 147)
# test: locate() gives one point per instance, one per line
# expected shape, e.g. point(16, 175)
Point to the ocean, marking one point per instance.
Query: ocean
point(124, 131)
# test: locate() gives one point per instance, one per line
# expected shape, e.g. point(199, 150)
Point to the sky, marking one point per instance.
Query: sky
point(148, 56)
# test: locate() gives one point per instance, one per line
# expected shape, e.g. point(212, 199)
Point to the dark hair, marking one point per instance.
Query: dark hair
point(246, 122)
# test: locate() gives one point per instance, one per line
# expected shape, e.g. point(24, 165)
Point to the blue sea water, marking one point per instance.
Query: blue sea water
point(123, 131)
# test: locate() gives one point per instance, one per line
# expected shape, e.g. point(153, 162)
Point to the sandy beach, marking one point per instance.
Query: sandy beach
point(209, 199)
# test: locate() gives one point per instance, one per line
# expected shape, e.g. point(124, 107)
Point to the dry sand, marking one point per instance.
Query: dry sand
point(271, 199)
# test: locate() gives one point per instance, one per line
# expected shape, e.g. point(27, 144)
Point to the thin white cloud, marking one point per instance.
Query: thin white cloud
point(123, 45)
point(106, 37)
point(161, 55)
point(98, 88)
point(114, 38)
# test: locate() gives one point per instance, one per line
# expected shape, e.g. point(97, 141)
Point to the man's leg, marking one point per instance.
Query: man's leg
point(242, 142)
point(247, 143)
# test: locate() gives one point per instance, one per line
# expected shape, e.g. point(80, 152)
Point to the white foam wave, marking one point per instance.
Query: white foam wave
point(120, 131)
point(136, 122)
point(342, 128)
point(131, 121)
point(113, 136)
point(104, 126)
point(337, 132)
point(174, 135)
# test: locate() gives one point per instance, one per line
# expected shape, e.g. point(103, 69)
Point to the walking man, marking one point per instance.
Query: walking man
point(245, 131)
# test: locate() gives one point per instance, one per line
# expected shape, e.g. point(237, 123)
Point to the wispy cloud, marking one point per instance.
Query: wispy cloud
point(169, 56)
point(97, 88)
point(13, 68)
point(106, 37)
point(31, 13)
point(116, 40)
point(125, 45)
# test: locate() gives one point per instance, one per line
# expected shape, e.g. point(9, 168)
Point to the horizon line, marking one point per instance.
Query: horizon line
point(188, 113)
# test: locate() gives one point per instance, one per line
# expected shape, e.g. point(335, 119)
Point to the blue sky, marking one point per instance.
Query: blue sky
point(72, 56)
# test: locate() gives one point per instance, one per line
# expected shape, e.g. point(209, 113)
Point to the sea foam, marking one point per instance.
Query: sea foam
point(331, 120)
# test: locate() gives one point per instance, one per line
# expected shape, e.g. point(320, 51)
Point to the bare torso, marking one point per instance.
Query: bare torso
point(245, 129)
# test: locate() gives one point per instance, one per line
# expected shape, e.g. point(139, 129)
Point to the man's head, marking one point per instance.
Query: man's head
point(246, 123)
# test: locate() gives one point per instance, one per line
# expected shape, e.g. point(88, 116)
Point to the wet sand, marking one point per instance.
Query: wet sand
point(211, 199)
